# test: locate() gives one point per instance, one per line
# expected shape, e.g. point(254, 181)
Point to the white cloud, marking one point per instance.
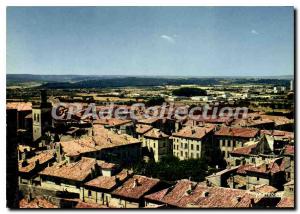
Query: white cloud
point(168, 38)
point(254, 32)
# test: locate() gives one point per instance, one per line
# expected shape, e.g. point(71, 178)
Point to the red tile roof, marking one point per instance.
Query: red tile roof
point(20, 106)
point(103, 139)
point(286, 202)
point(155, 133)
point(237, 132)
point(142, 128)
point(85, 205)
point(278, 133)
point(279, 120)
point(31, 163)
point(77, 171)
point(245, 150)
point(136, 187)
point(38, 202)
point(289, 150)
point(274, 166)
point(190, 194)
point(195, 132)
point(264, 188)
point(111, 122)
point(108, 182)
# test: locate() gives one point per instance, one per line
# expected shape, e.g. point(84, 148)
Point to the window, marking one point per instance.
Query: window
point(89, 193)
point(177, 147)
point(192, 147)
point(198, 155)
point(181, 145)
point(192, 155)
point(38, 118)
point(257, 178)
point(34, 117)
point(181, 153)
point(198, 148)
point(186, 154)
point(223, 143)
point(153, 145)
point(234, 143)
point(185, 146)
point(174, 147)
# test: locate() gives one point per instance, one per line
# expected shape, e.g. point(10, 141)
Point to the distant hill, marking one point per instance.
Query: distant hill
point(90, 81)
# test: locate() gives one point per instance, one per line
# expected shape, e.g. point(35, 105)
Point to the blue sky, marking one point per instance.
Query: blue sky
point(191, 41)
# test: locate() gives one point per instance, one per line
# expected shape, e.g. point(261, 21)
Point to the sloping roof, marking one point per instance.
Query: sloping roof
point(142, 128)
point(286, 202)
point(195, 132)
point(264, 188)
point(237, 132)
point(276, 165)
point(20, 106)
point(289, 150)
point(278, 133)
point(156, 133)
point(190, 194)
point(108, 182)
point(85, 205)
point(245, 150)
point(136, 187)
point(103, 139)
point(31, 163)
point(77, 171)
point(278, 120)
point(111, 122)
point(149, 120)
point(38, 202)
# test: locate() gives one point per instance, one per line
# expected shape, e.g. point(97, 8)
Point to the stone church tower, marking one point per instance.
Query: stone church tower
point(41, 116)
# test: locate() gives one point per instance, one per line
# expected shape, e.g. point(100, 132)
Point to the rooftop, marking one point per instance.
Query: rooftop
point(136, 187)
point(286, 202)
point(20, 106)
point(195, 132)
point(39, 158)
point(237, 132)
point(38, 202)
point(77, 171)
point(190, 194)
point(111, 122)
point(103, 139)
point(108, 182)
point(142, 128)
point(156, 133)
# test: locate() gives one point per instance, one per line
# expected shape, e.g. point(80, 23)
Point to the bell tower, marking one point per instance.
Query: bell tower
point(41, 115)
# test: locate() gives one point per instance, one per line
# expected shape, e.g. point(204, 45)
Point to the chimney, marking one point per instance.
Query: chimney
point(135, 183)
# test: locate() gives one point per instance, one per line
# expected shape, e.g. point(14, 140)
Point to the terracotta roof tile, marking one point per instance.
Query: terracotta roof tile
point(237, 132)
point(108, 182)
point(195, 132)
point(286, 202)
point(103, 139)
point(41, 158)
point(136, 187)
point(156, 133)
point(142, 128)
point(20, 106)
point(36, 203)
point(77, 171)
